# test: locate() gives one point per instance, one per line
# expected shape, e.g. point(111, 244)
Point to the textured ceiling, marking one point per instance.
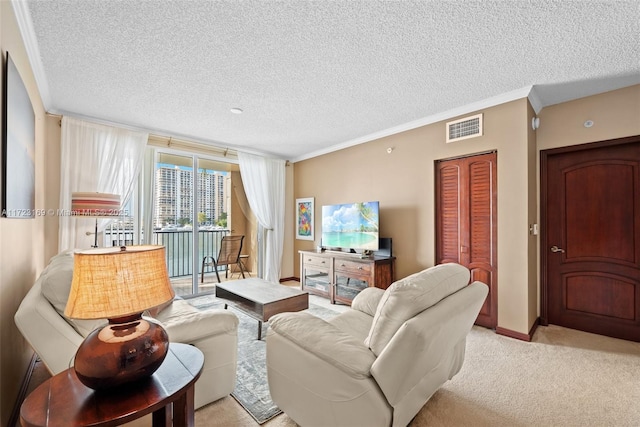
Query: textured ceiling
point(313, 76)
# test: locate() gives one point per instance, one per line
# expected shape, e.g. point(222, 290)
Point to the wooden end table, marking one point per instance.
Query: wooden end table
point(65, 402)
point(260, 299)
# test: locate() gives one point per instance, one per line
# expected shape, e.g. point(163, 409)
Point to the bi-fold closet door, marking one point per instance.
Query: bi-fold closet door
point(466, 222)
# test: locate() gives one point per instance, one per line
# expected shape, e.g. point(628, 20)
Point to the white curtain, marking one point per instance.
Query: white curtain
point(264, 184)
point(148, 194)
point(98, 158)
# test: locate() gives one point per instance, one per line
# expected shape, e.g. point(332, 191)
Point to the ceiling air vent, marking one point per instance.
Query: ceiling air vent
point(469, 127)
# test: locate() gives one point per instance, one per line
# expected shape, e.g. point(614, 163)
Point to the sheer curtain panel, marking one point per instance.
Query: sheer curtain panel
point(264, 183)
point(100, 158)
point(148, 195)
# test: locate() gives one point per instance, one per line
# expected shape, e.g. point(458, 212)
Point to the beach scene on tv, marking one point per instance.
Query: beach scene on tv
point(351, 226)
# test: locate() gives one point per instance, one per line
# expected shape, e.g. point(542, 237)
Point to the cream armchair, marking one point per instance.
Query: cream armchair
point(56, 338)
point(378, 363)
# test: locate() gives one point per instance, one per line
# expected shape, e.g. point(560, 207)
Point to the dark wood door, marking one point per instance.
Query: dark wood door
point(591, 238)
point(466, 222)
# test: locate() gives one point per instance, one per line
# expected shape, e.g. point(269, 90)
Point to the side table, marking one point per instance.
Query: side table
point(64, 401)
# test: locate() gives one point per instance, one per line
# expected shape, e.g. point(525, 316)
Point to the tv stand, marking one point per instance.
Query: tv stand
point(340, 276)
point(346, 254)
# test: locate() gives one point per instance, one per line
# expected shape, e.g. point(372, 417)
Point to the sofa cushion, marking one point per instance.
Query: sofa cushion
point(407, 297)
point(55, 282)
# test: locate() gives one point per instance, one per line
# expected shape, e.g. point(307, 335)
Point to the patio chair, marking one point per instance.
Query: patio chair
point(229, 254)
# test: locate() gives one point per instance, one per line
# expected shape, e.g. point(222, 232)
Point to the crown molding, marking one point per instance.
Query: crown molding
point(25, 25)
point(459, 111)
point(535, 101)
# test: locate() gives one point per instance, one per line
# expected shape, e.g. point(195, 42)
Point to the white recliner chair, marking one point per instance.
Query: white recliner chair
point(55, 338)
point(378, 363)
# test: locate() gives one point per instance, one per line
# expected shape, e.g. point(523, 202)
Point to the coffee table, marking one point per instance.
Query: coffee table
point(260, 299)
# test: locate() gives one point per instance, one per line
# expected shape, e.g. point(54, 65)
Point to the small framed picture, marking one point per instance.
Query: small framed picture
point(304, 218)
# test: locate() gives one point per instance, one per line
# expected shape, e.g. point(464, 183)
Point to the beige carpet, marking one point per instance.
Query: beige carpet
point(562, 378)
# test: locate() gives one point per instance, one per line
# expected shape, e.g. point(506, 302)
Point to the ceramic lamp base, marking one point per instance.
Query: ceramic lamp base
point(126, 350)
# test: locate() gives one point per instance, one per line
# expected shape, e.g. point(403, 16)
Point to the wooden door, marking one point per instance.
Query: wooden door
point(590, 245)
point(466, 222)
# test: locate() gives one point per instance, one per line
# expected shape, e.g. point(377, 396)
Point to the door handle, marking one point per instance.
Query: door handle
point(555, 249)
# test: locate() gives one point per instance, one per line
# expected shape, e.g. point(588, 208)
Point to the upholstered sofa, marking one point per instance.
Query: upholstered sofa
point(378, 363)
point(55, 338)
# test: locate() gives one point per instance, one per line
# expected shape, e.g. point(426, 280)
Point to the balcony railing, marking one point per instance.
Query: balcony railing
point(178, 246)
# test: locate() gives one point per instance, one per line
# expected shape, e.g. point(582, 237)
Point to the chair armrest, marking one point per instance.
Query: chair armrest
point(325, 341)
point(186, 324)
point(50, 336)
point(367, 300)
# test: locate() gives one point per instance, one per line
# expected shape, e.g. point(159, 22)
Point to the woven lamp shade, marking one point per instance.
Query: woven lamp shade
point(117, 282)
point(95, 204)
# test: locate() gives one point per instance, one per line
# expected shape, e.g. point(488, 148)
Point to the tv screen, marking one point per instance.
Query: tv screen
point(351, 226)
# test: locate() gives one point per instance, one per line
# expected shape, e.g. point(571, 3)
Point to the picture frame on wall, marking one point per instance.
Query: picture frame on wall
point(18, 147)
point(305, 216)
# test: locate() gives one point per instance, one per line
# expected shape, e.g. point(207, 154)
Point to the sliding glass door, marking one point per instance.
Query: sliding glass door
point(195, 207)
point(212, 219)
point(174, 218)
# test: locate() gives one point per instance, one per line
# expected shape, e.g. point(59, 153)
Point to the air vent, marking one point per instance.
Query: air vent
point(469, 127)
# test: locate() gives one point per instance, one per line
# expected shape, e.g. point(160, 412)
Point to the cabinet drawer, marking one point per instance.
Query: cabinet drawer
point(353, 268)
point(316, 261)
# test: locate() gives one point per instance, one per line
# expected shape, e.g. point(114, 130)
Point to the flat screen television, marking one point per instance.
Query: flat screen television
point(351, 226)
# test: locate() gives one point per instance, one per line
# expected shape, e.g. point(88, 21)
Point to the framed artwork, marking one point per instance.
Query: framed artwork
point(18, 147)
point(304, 218)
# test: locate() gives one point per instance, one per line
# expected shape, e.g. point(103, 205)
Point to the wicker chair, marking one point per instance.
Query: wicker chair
point(229, 254)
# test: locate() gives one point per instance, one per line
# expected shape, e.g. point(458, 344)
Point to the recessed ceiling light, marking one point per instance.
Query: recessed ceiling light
point(236, 110)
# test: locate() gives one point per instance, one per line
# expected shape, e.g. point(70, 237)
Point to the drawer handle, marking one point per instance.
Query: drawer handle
point(359, 268)
point(341, 265)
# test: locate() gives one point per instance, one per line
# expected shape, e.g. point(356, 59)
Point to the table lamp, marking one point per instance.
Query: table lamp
point(118, 284)
point(98, 205)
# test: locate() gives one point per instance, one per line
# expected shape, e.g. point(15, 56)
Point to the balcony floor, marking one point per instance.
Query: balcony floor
point(183, 285)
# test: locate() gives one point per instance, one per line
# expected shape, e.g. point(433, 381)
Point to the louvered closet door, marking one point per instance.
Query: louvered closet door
point(466, 204)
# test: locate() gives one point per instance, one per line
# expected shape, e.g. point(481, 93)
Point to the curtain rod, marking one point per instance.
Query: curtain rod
point(171, 141)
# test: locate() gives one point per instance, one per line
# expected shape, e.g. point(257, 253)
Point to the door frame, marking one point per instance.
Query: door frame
point(544, 183)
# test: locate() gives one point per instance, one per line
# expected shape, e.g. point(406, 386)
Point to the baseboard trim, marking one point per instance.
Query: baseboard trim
point(22, 394)
point(519, 335)
point(289, 279)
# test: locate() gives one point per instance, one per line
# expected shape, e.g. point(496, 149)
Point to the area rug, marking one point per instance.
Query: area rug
point(252, 387)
